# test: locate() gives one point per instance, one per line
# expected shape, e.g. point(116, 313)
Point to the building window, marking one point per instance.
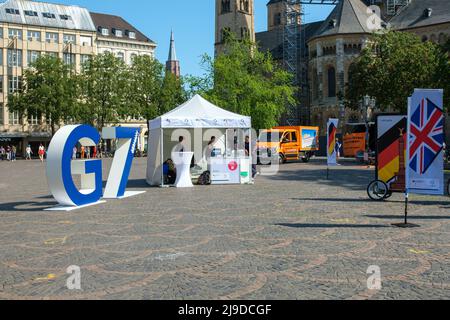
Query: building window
point(121, 56)
point(48, 15)
point(277, 19)
point(34, 35)
point(1, 32)
point(85, 58)
point(2, 109)
point(244, 6)
point(224, 34)
point(14, 58)
point(132, 35)
point(52, 54)
point(65, 17)
point(245, 33)
point(14, 118)
point(1, 84)
point(69, 58)
point(14, 84)
point(30, 13)
point(226, 6)
point(105, 32)
point(12, 11)
point(133, 57)
point(32, 56)
point(69, 38)
point(15, 33)
point(86, 41)
point(34, 117)
point(331, 82)
point(52, 37)
point(118, 33)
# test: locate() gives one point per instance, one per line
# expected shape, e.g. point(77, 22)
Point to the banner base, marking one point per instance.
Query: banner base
point(72, 208)
point(405, 225)
point(129, 194)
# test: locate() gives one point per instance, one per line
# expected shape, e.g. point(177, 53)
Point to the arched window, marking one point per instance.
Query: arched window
point(315, 85)
point(331, 82)
point(433, 38)
point(277, 19)
point(224, 34)
point(226, 7)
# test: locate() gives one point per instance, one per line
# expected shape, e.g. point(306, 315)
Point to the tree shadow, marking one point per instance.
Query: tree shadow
point(33, 206)
point(330, 226)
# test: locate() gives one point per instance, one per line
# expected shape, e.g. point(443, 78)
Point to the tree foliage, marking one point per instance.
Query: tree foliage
point(246, 81)
point(49, 89)
point(392, 66)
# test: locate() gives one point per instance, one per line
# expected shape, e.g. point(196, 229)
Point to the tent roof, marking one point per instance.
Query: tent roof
point(200, 113)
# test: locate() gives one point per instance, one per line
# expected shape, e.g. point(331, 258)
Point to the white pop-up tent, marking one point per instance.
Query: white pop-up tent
point(197, 120)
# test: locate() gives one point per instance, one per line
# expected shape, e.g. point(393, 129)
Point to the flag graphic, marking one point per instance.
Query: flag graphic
point(427, 136)
point(331, 141)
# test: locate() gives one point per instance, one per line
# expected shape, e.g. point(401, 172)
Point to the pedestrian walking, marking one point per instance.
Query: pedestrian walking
point(2, 153)
point(13, 153)
point(28, 153)
point(338, 147)
point(41, 152)
point(8, 153)
point(74, 153)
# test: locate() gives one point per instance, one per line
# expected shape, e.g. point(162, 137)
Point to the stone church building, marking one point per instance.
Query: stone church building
point(328, 48)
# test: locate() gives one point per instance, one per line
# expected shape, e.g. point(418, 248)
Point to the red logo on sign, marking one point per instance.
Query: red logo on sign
point(233, 166)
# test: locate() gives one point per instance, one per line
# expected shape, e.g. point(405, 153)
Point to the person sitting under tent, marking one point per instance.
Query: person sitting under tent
point(170, 172)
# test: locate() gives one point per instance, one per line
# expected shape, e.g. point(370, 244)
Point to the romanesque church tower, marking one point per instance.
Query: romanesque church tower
point(235, 16)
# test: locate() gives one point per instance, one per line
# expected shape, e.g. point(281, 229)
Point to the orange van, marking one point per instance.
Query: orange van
point(288, 143)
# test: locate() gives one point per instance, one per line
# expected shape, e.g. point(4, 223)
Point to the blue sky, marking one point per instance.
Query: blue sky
point(192, 22)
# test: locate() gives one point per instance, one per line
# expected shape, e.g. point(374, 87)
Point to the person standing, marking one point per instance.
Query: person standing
point(2, 153)
point(338, 147)
point(83, 151)
point(13, 153)
point(28, 152)
point(41, 152)
point(253, 153)
point(180, 146)
point(88, 152)
point(8, 153)
point(74, 153)
point(94, 152)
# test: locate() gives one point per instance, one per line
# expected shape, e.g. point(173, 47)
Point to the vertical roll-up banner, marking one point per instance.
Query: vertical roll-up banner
point(331, 141)
point(425, 169)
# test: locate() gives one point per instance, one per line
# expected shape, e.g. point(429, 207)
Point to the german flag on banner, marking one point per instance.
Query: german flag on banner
point(388, 158)
point(331, 141)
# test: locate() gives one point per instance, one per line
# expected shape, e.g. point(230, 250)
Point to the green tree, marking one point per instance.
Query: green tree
point(50, 89)
point(103, 98)
point(392, 66)
point(246, 81)
point(152, 91)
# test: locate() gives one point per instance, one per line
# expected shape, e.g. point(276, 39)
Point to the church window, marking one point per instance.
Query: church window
point(277, 19)
point(331, 82)
point(226, 6)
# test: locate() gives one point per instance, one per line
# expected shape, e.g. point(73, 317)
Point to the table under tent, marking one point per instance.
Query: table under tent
point(197, 120)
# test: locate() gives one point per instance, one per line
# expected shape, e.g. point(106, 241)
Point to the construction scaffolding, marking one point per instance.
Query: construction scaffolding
point(295, 56)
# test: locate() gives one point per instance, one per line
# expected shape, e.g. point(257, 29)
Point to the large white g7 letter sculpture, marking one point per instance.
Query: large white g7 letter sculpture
point(60, 167)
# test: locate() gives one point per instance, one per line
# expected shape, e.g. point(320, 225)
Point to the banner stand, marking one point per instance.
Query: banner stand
point(405, 224)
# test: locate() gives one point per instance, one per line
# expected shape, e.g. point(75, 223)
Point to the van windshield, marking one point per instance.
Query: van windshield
point(272, 136)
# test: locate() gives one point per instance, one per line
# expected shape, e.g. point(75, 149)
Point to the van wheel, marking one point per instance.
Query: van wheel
point(306, 159)
point(281, 159)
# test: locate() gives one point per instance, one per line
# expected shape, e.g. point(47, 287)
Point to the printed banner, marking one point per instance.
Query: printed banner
point(391, 143)
point(331, 141)
point(425, 169)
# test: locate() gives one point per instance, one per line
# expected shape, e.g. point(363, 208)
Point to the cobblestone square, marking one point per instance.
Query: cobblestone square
point(294, 235)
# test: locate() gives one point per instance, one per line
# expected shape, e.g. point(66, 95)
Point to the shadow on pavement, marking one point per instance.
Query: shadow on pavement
point(343, 200)
point(30, 206)
point(410, 217)
point(320, 225)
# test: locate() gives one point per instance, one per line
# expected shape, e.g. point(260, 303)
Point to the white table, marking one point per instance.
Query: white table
point(182, 161)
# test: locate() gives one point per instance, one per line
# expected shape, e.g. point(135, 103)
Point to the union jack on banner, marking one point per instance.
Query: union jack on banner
point(426, 136)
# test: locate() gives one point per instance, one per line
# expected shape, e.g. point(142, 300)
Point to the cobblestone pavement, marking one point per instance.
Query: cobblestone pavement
point(290, 236)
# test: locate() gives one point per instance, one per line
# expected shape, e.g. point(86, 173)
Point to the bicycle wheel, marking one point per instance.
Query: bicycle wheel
point(377, 190)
